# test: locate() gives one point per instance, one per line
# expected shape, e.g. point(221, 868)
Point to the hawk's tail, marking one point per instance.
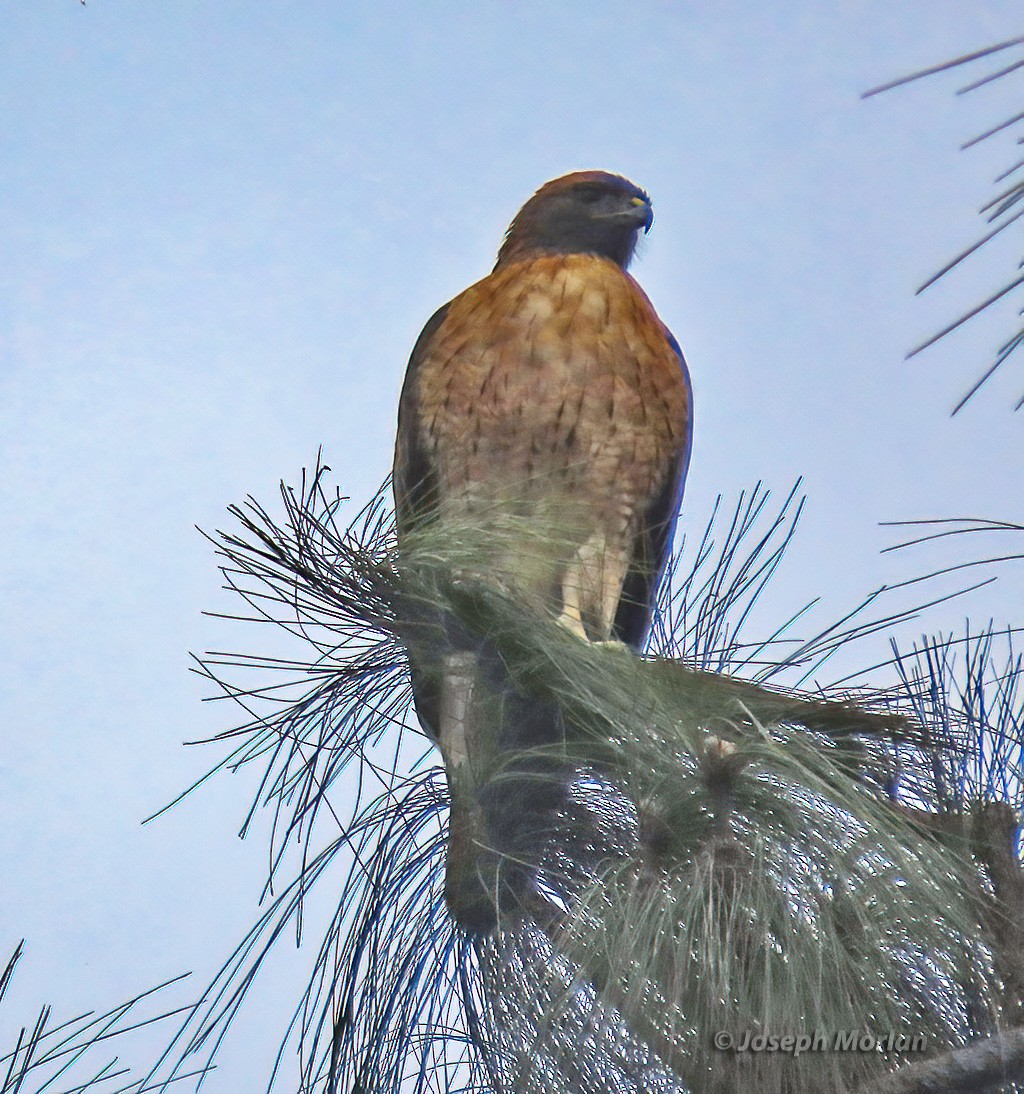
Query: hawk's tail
point(508, 789)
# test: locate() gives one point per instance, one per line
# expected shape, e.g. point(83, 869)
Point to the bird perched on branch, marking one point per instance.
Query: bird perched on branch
point(549, 407)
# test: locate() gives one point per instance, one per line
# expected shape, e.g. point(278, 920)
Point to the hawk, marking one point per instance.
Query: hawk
point(548, 396)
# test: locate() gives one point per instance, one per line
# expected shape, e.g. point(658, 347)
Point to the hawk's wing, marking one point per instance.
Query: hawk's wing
point(415, 477)
point(415, 484)
point(654, 542)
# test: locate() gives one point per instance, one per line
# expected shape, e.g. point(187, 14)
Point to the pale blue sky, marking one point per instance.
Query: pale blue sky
point(222, 226)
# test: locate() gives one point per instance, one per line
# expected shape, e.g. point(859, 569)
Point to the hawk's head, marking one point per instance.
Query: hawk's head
point(587, 212)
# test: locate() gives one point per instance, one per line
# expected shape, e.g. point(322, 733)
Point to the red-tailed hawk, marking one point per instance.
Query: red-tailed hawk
point(552, 393)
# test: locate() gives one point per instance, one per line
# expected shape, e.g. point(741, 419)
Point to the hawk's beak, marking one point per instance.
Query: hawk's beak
point(643, 211)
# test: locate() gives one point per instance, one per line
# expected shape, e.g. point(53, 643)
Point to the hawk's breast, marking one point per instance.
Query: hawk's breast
point(555, 374)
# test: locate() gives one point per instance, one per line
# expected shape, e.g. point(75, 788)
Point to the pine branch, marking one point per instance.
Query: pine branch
point(973, 1069)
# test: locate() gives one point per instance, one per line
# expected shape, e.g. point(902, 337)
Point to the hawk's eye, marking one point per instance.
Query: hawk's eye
point(589, 195)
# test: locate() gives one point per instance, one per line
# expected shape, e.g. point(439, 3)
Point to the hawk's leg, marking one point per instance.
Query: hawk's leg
point(467, 893)
point(570, 617)
point(456, 699)
point(591, 590)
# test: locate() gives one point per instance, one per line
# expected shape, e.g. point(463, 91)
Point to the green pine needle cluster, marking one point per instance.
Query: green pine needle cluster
point(737, 857)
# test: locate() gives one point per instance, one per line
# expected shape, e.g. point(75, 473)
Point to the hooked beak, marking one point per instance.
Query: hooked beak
point(638, 213)
point(642, 211)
